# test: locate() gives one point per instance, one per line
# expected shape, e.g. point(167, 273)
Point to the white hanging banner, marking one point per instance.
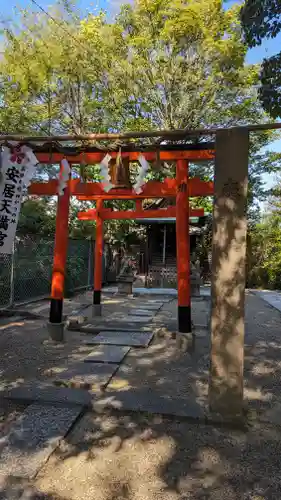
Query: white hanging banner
point(105, 175)
point(17, 167)
point(140, 181)
point(64, 176)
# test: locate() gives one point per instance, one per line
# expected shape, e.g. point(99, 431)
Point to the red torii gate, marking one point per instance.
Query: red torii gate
point(101, 214)
point(227, 324)
point(181, 188)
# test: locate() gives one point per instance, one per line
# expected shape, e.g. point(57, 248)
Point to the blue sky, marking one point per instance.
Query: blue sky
point(255, 55)
point(111, 6)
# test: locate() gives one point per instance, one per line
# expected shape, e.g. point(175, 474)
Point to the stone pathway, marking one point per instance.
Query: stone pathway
point(121, 338)
point(115, 454)
point(107, 354)
point(272, 298)
point(37, 432)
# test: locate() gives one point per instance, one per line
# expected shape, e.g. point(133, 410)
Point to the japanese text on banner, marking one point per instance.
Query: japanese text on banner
point(17, 167)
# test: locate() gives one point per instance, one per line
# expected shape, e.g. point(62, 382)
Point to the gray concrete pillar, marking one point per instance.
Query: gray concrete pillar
point(228, 272)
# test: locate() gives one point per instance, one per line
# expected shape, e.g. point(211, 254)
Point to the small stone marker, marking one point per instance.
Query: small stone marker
point(134, 339)
point(33, 437)
point(107, 354)
point(74, 322)
point(92, 376)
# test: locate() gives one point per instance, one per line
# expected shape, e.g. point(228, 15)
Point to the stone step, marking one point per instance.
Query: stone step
point(121, 338)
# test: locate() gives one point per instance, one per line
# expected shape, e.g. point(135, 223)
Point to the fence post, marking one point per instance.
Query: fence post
point(12, 278)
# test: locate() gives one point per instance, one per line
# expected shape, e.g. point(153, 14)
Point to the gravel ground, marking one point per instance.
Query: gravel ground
point(135, 456)
point(9, 411)
point(144, 458)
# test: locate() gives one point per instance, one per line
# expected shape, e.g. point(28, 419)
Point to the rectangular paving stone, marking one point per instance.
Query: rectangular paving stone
point(140, 312)
point(107, 354)
point(46, 392)
point(114, 327)
point(149, 401)
point(136, 319)
point(134, 339)
point(93, 376)
point(163, 300)
point(33, 437)
point(151, 307)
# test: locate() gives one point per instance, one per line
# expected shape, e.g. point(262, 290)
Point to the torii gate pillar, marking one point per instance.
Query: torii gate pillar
point(56, 325)
point(228, 272)
point(98, 262)
point(183, 247)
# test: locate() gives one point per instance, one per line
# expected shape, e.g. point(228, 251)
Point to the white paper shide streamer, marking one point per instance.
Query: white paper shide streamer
point(17, 169)
point(105, 175)
point(140, 181)
point(64, 176)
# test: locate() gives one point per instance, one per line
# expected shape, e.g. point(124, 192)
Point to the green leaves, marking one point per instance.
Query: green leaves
point(262, 19)
point(270, 91)
point(161, 64)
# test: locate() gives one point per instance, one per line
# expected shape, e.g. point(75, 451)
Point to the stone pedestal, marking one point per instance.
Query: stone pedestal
point(96, 310)
point(228, 272)
point(56, 331)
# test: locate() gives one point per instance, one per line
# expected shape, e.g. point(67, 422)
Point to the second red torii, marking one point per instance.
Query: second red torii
point(160, 213)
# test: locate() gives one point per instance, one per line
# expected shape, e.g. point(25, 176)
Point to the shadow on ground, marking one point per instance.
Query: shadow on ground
point(135, 455)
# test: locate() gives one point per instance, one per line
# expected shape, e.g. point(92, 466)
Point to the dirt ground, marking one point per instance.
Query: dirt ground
point(140, 457)
point(126, 455)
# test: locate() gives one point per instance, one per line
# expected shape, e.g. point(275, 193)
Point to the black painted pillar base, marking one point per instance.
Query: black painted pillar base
point(56, 310)
point(97, 297)
point(184, 319)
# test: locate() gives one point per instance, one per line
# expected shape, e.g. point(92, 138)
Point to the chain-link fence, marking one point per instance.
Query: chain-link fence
point(6, 277)
point(26, 274)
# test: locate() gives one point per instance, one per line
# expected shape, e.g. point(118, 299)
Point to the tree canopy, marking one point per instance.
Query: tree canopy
point(162, 63)
point(264, 248)
point(262, 19)
point(159, 64)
